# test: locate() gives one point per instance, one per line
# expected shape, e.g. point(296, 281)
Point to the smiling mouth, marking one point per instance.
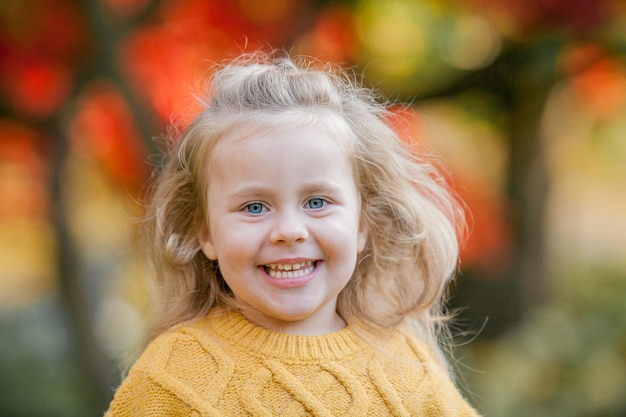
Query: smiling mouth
point(285, 271)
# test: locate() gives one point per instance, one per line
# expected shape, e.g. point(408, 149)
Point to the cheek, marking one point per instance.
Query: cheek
point(235, 246)
point(344, 237)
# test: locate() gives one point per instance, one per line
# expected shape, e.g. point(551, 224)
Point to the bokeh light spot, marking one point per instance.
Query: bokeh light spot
point(472, 43)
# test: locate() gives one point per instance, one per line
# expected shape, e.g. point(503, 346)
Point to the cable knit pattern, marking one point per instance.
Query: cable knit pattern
point(224, 365)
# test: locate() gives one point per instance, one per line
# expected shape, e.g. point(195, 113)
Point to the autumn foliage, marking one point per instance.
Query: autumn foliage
point(106, 77)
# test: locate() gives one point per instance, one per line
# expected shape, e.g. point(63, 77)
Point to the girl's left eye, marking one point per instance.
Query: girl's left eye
point(316, 203)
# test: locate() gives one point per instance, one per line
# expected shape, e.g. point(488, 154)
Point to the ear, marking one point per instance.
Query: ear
point(362, 234)
point(206, 243)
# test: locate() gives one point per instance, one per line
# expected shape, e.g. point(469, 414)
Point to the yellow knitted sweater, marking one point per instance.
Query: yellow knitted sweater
point(224, 365)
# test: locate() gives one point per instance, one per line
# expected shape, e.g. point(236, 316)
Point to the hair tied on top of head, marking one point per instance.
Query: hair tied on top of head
point(285, 63)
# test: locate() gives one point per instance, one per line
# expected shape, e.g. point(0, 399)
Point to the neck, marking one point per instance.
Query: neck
point(309, 326)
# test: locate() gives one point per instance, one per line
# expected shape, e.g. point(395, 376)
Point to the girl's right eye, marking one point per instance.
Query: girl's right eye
point(255, 208)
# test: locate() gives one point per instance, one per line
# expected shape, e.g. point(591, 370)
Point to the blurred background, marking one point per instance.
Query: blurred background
point(524, 102)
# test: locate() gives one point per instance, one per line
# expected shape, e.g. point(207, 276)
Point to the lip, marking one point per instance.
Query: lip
point(290, 282)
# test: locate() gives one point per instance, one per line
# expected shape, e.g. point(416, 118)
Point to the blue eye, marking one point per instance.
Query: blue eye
point(255, 208)
point(316, 203)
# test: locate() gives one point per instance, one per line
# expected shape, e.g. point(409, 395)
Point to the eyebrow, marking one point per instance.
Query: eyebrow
point(322, 186)
point(247, 191)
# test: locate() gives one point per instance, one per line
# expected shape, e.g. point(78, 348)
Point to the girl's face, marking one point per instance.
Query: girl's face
point(284, 226)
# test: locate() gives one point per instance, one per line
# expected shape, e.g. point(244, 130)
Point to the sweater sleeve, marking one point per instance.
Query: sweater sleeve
point(144, 393)
point(444, 399)
point(140, 396)
point(441, 395)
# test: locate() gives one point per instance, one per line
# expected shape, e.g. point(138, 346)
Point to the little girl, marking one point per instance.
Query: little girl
point(300, 253)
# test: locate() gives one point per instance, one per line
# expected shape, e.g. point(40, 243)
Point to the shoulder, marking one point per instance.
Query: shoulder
point(175, 373)
point(404, 359)
point(185, 354)
point(408, 367)
point(403, 344)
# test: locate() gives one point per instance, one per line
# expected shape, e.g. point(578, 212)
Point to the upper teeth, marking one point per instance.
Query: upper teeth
point(290, 267)
point(298, 269)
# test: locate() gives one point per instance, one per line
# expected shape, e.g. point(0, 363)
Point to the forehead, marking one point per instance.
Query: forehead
point(298, 142)
point(323, 120)
point(291, 158)
point(320, 133)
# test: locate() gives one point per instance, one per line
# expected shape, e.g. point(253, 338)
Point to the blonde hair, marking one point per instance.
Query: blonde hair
point(413, 220)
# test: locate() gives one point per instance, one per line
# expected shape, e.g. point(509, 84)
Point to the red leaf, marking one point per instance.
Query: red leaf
point(39, 88)
point(103, 131)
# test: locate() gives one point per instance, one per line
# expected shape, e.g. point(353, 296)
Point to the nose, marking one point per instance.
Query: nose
point(289, 228)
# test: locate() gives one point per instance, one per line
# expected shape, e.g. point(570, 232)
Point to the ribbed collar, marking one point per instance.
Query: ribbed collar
point(235, 330)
